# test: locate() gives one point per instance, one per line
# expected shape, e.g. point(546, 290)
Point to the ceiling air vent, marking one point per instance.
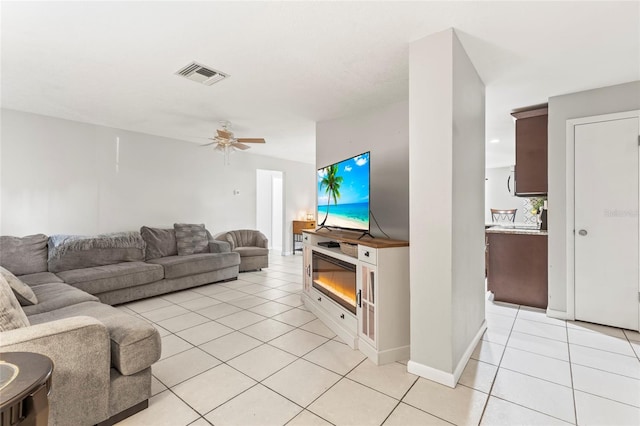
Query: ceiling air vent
point(201, 74)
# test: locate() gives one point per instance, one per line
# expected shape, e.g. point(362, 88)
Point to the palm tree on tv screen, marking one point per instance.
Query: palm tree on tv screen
point(332, 182)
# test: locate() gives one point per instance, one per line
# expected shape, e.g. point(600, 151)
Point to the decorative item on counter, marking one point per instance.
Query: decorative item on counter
point(538, 208)
point(309, 215)
point(349, 249)
point(536, 205)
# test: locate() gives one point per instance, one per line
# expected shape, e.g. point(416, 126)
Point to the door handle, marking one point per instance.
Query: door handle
point(509, 184)
point(582, 232)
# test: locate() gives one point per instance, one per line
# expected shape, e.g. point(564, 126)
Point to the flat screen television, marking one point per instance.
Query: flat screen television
point(343, 194)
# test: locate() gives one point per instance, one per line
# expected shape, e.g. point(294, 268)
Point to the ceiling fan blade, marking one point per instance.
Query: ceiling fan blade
point(225, 134)
point(240, 146)
point(251, 140)
point(210, 143)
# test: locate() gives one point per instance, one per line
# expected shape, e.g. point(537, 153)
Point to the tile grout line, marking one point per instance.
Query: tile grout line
point(573, 389)
point(605, 371)
point(400, 401)
point(251, 378)
point(342, 377)
point(275, 372)
point(267, 377)
point(237, 330)
point(599, 349)
point(484, 408)
point(548, 381)
point(532, 409)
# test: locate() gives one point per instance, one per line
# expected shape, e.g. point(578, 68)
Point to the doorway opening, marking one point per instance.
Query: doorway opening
point(270, 206)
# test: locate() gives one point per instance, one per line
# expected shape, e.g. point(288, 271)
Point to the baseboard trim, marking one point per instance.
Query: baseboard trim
point(467, 354)
point(443, 377)
point(383, 357)
point(552, 313)
point(431, 373)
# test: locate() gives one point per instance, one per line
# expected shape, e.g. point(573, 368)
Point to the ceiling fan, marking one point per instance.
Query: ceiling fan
point(226, 142)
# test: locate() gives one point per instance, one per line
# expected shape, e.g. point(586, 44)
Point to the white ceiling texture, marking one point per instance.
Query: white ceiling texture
point(293, 64)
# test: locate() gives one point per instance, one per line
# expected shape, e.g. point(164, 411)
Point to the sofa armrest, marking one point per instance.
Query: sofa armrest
point(216, 246)
point(80, 350)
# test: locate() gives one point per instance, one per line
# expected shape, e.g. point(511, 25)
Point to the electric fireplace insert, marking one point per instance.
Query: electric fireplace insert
point(336, 279)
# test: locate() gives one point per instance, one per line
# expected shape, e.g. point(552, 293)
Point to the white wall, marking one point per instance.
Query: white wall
point(385, 132)
point(619, 98)
point(468, 284)
point(61, 176)
point(447, 203)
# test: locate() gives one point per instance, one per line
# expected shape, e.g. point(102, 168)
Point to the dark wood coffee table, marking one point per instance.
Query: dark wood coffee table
point(25, 381)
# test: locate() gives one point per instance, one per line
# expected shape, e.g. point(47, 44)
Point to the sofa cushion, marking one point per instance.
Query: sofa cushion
point(68, 252)
point(23, 292)
point(159, 242)
point(112, 277)
point(252, 251)
point(40, 278)
point(191, 238)
point(135, 344)
point(11, 314)
point(26, 255)
point(181, 266)
point(53, 296)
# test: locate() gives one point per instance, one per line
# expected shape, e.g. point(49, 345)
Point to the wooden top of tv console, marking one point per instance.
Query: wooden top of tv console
point(352, 237)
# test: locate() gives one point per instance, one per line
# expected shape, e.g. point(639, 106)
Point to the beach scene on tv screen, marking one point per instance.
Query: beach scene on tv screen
point(343, 194)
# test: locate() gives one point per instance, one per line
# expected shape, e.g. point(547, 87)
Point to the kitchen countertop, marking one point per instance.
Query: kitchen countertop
point(514, 229)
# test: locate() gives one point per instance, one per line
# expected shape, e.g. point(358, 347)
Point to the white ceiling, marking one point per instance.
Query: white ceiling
point(293, 64)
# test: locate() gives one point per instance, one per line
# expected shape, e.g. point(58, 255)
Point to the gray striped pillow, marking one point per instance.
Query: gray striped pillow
point(23, 292)
point(191, 238)
point(11, 314)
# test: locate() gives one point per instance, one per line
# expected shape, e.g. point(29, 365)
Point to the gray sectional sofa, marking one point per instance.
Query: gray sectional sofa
point(102, 356)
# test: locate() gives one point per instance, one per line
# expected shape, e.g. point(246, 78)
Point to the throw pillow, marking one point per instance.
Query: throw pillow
point(191, 238)
point(160, 242)
point(25, 255)
point(23, 292)
point(11, 314)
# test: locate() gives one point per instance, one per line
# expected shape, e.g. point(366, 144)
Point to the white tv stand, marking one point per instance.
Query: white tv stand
point(380, 327)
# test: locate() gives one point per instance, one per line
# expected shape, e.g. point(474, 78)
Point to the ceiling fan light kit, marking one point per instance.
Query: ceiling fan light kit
point(226, 142)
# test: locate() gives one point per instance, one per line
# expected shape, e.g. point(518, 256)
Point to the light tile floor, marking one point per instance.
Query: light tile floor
point(247, 352)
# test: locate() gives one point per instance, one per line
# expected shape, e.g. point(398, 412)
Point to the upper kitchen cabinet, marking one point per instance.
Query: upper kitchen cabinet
point(531, 152)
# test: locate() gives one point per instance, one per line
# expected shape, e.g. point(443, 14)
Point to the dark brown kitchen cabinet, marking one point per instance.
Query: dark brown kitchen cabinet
point(517, 268)
point(531, 152)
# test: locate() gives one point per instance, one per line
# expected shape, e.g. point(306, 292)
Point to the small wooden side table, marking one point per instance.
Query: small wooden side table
point(298, 226)
point(25, 382)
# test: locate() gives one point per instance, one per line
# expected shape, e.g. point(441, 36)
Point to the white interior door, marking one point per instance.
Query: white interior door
point(606, 223)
